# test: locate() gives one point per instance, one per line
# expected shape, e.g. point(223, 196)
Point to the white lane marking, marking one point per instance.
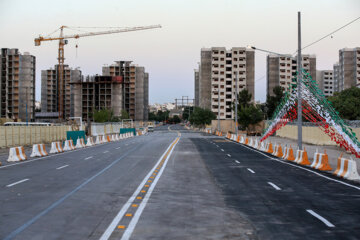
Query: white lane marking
point(297, 166)
point(217, 145)
point(325, 221)
point(237, 161)
point(88, 158)
point(12, 184)
point(117, 148)
point(122, 211)
point(106, 152)
point(133, 222)
point(274, 186)
point(62, 167)
point(250, 170)
point(229, 155)
point(222, 150)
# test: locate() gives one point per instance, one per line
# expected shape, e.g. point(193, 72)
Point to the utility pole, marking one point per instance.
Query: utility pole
point(236, 103)
point(299, 80)
point(219, 106)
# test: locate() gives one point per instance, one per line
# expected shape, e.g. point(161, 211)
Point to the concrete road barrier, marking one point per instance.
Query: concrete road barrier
point(98, 140)
point(38, 150)
point(289, 154)
point(78, 143)
point(321, 161)
point(16, 154)
point(68, 145)
point(89, 142)
point(56, 147)
point(302, 157)
point(346, 168)
point(269, 148)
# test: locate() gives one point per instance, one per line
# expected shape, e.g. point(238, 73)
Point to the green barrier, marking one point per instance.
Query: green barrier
point(127, 130)
point(74, 135)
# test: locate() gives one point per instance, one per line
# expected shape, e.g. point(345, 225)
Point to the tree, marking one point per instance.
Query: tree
point(103, 115)
point(273, 101)
point(201, 117)
point(249, 115)
point(187, 110)
point(347, 103)
point(176, 119)
point(124, 115)
point(244, 98)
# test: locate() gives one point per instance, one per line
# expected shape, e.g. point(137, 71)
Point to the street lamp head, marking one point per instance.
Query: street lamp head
point(252, 47)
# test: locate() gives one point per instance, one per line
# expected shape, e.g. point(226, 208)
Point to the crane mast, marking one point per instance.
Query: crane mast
point(61, 58)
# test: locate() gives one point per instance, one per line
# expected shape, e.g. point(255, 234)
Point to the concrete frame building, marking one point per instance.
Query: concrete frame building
point(336, 72)
point(135, 88)
point(325, 81)
point(281, 69)
point(217, 74)
point(17, 85)
point(196, 87)
point(95, 93)
point(348, 68)
point(49, 90)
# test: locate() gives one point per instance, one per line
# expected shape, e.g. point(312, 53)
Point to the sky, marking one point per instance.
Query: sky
point(171, 54)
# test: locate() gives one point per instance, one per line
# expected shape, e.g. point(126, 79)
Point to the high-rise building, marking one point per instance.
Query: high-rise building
point(95, 93)
point(336, 72)
point(135, 88)
point(17, 85)
point(217, 77)
point(281, 69)
point(50, 92)
point(196, 87)
point(349, 68)
point(325, 81)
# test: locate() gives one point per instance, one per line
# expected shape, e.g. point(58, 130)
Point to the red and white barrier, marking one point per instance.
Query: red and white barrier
point(56, 147)
point(16, 154)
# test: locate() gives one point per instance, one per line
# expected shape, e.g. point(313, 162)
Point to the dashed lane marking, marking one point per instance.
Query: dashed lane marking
point(62, 167)
point(88, 158)
point(229, 155)
point(324, 220)
point(15, 183)
point(139, 199)
point(117, 148)
point(106, 152)
point(250, 170)
point(237, 161)
point(274, 186)
point(222, 150)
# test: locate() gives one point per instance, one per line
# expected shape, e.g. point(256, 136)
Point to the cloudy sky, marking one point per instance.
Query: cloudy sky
point(171, 53)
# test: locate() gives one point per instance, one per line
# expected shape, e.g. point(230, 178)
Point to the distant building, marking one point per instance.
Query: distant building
point(95, 93)
point(17, 85)
point(50, 90)
point(162, 107)
point(217, 75)
point(196, 87)
point(281, 69)
point(349, 68)
point(325, 81)
point(135, 88)
point(336, 72)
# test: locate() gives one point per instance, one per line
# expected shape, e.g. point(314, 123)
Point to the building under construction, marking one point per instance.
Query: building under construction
point(50, 92)
point(17, 85)
point(95, 93)
point(135, 88)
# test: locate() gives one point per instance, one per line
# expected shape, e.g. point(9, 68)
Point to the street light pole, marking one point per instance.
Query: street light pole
point(299, 80)
point(236, 102)
point(26, 106)
point(219, 106)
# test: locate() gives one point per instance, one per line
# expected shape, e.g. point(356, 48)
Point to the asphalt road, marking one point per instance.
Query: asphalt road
point(173, 184)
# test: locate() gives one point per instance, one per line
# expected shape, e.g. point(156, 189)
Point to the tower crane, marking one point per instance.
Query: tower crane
point(63, 41)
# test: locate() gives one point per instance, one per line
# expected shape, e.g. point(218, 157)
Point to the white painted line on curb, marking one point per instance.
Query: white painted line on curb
point(237, 161)
point(106, 152)
point(274, 186)
point(250, 170)
point(62, 167)
point(12, 184)
point(88, 158)
point(326, 222)
point(222, 150)
point(229, 155)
